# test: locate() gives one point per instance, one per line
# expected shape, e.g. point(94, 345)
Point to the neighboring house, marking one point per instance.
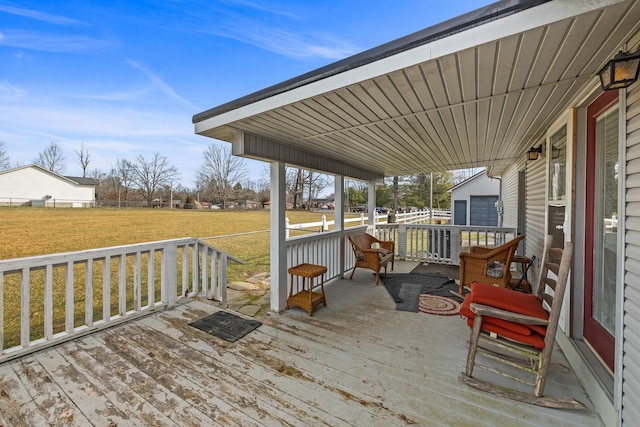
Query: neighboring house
point(484, 89)
point(36, 186)
point(473, 201)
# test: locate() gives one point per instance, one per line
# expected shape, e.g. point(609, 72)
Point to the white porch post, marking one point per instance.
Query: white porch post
point(338, 217)
point(372, 202)
point(278, 256)
point(338, 202)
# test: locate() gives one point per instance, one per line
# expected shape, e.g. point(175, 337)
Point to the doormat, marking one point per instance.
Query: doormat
point(434, 304)
point(225, 325)
point(405, 289)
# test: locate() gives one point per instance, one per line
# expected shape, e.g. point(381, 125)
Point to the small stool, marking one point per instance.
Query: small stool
point(524, 263)
point(306, 298)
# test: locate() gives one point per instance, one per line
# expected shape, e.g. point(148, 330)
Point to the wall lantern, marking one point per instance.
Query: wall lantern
point(621, 71)
point(534, 152)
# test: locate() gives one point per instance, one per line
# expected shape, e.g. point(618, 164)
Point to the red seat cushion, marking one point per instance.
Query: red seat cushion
point(535, 339)
point(465, 310)
point(507, 299)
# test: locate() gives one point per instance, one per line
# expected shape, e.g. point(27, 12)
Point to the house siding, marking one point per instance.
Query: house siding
point(510, 195)
point(31, 184)
point(536, 212)
point(478, 185)
point(631, 319)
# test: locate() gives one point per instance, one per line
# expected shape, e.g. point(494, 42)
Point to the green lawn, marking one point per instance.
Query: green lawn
point(37, 231)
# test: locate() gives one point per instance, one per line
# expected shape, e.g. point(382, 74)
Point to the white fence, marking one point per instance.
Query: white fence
point(47, 299)
point(46, 202)
point(415, 217)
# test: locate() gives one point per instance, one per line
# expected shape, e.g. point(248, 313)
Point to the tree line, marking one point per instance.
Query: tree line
point(221, 179)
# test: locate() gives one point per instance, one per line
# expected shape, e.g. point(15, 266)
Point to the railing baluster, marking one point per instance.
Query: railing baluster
point(88, 293)
point(106, 289)
point(169, 281)
point(185, 269)
point(48, 302)
point(222, 280)
point(214, 292)
point(69, 300)
point(151, 279)
point(205, 270)
point(195, 277)
point(122, 285)
point(24, 308)
point(137, 281)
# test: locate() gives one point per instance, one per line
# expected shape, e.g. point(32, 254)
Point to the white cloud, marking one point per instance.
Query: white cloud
point(33, 40)
point(40, 16)
point(285, 38)
point(9, 91)
point(162, 86)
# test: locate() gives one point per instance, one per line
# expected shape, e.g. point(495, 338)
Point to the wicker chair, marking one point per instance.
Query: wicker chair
point(486, 265)
point(373, 258)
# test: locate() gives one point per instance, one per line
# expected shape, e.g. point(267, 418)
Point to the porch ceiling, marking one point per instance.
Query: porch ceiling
point(481, 96)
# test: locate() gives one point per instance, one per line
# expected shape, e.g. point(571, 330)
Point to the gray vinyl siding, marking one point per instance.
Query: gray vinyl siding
point(631, 319)
point(510, 196)
point(535, 221)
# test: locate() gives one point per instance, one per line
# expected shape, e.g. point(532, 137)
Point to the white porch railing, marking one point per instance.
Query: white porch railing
point(419, 242)
point(47, 299)
point(331, 249)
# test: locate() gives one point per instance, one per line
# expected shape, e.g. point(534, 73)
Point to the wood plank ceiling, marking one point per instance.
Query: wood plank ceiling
point(481, 106)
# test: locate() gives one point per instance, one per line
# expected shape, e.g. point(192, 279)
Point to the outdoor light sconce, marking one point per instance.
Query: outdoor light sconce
point(534, 152)
point(621, 71)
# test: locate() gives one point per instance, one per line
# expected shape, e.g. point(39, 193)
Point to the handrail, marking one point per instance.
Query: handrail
point(57, 297)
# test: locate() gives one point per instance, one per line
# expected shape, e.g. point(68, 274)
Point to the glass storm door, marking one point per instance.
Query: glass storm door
point(601, 225)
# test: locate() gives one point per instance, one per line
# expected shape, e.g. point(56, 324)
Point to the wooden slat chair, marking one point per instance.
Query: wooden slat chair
point(368, 256)
point(476, 265)
point(507, 321)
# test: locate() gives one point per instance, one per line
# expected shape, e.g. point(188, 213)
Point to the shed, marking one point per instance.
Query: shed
point(475, 201)
point(33, 185)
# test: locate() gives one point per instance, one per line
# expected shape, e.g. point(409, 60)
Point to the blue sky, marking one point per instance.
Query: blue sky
point(125, 77)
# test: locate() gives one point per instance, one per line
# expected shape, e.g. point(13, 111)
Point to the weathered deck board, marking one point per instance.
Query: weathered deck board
point(357, 362)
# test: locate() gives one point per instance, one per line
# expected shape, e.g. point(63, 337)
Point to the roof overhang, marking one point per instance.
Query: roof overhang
point(478, 90)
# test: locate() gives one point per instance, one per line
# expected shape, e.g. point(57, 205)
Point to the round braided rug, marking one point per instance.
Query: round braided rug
point(434, 304)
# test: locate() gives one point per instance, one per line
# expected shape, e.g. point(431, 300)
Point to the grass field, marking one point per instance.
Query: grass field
point(35, 231)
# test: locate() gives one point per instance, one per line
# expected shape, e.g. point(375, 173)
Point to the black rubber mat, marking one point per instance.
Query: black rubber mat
point(226, 325)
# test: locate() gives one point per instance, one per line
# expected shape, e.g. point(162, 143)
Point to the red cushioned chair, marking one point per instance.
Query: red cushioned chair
point(507, 321)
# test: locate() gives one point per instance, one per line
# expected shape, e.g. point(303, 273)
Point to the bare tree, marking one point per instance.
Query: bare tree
point(294, 184)
point(150, 175)
point(316, 182)
point(4, 157)
point(220, 172)
point(121, 178)
point(51, 158)
point(83, 157)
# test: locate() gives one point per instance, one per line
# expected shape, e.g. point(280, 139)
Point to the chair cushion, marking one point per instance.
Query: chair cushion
point(535, 339)
point(507, 299)
point(381, 254)
point(465, 311)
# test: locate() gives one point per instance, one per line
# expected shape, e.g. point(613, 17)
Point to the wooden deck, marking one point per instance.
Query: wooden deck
point(357, 362)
